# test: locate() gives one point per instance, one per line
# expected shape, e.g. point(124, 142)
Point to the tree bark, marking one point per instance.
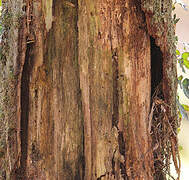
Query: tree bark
point(114, 54)
point(76, 88)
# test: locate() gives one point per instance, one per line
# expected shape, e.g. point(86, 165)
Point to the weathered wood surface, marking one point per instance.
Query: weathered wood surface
point(75, 91)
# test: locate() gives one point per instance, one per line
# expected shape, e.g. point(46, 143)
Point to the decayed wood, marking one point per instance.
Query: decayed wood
point(136, 87)
point(114, 57)
point(80, 96)
point(161, 27)
point(12, 60)
point(55, 129)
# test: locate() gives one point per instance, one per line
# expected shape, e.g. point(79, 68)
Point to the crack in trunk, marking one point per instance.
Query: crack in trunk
point(24, 114)
point(115, 115)
point(156, 66)
point(115, 112)
point(121, 144)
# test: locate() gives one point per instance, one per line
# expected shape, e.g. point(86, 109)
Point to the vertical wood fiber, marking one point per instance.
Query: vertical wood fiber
point(55, 137)
point(75, 91)
point(13, 47)
point(114, 58)
point(161, 27)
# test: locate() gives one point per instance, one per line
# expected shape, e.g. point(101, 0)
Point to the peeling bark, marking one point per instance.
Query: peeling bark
point(44, 133)
point(115, 69)
point(12, 61)
point(55, 148)
point(161, 27)
point(76, 88)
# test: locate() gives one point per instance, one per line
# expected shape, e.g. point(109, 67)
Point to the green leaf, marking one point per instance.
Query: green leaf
point(185, 55)
point(180, 116)
point(185, 82)
point(177, 20)
point(177, 52)
point(176, 38)
point(180, 78)
point(180, 61)
point(173, 7)
point(186, 107)
point(186, 63)
point(180, 148)
point(178, 130)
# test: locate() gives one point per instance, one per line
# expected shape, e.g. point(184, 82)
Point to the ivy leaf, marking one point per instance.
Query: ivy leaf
point(182, 112)
point(178, 130)
point(185, 84)
point(180, 116)
point(180, 148)
point(176, 38)
point(180, 61)
point(185, 55)
point(180, 78)
point(177, 52)
point(1, 29)
point(179, 81)
point(186, 107)
point(184, 59)
point(177, 20)
point(186, 63)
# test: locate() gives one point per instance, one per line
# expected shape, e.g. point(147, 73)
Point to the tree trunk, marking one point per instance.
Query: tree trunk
point(77, 81)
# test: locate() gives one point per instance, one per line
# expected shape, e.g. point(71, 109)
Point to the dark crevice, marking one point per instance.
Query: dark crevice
point(114, 53)
point(156, 66)
point(123, 171)
point(113, 163)
point(21, 174)
point(81, 163)
point(121, 143)
point(99, 178)
point(115, 112)
point(115, 115)
point(156, 91)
